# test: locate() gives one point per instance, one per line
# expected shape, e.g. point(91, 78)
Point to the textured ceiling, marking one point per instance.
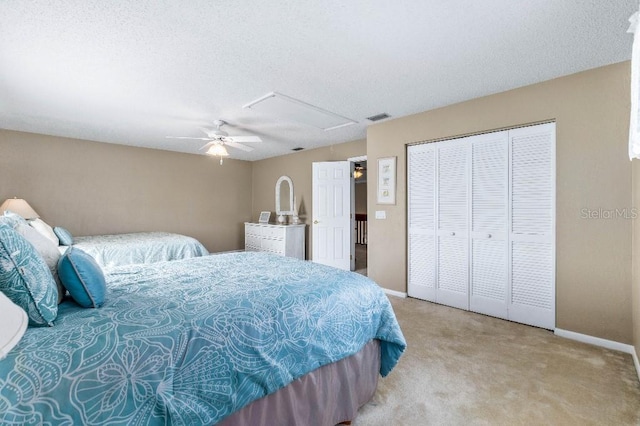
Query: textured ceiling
point(133, 72)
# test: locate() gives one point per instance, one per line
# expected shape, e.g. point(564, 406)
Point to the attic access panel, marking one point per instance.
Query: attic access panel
point(279, 105)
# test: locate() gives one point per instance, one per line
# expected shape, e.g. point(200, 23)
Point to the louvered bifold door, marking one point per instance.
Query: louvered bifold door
point(421, 172)
point(532, 225)
point(489, 212)
point(452, 208)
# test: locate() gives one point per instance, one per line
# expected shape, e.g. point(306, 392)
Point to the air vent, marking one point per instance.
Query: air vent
point(299, 148)
point(378, 117)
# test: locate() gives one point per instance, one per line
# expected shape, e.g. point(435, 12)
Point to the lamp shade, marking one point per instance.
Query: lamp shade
point(19, 206)
point(14, 322)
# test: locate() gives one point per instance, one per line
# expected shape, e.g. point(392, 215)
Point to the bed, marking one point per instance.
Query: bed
point(142, 247)
point(238, 338)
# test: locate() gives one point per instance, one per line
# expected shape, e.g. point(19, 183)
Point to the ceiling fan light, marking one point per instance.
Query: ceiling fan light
point(217, 150)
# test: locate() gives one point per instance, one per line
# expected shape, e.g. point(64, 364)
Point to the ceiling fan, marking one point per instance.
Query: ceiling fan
point(217, 139)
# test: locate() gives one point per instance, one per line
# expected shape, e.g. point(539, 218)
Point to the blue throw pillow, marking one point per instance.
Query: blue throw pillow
point(82, 277)
point(65, 237)
point(12, 219)
point(26, 279)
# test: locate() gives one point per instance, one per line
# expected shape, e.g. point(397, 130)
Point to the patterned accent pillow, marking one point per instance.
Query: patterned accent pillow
point(65, 237)
point(26, 279)
point(82, 277)
point(12, 219)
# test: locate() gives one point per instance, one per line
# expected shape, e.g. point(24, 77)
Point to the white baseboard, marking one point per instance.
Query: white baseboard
point(604, 343)
point(395, 293)
point(609, 344)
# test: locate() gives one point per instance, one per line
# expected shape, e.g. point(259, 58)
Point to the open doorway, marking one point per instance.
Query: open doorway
point(360, 214)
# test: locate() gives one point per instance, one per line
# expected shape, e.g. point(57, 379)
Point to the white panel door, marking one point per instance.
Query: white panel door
point(332, 186)
point(452, 227)
point(421, 172)
point(532, 219)
point(489, 212)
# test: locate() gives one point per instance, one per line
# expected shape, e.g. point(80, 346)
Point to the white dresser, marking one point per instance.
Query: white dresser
point(285, 240)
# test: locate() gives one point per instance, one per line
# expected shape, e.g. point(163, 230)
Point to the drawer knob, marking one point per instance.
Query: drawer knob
point(315, 222)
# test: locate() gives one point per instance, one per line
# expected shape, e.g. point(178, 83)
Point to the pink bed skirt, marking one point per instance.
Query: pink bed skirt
point(326, 396)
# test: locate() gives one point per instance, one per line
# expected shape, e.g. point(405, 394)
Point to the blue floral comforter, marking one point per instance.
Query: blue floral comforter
point(191, 341)
point(141, 247)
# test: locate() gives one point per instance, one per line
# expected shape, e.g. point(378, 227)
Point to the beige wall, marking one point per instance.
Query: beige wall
point(298, 167)
point(593, 284)
point(96, 188)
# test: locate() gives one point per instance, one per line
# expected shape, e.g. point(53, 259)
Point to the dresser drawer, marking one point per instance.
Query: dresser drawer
point(273, 233)
point(253, 230)
point(273, 246)
point(252, 240)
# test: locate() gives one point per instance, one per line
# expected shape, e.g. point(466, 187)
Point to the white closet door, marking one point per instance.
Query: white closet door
point(489, 212)
point(481, 224)
point(421, 172)
point(452, 232)
point(532, 218)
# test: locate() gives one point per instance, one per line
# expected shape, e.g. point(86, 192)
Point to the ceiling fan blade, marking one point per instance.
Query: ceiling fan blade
point(239, 146)
point(243, 139)
point(187, 137)
point(207, 145)
point(205, 130)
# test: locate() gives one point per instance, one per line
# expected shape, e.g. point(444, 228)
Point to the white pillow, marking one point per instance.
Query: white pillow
point(14, 323)
point(47, 250)
point(40, 226)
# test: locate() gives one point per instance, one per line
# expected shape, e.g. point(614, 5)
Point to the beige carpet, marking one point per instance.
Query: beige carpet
point(462, 368)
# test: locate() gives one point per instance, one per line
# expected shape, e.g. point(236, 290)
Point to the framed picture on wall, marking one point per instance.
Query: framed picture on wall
point(386, 180)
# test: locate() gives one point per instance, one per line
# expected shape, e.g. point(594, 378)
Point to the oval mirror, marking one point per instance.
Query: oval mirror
point(284, 196)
